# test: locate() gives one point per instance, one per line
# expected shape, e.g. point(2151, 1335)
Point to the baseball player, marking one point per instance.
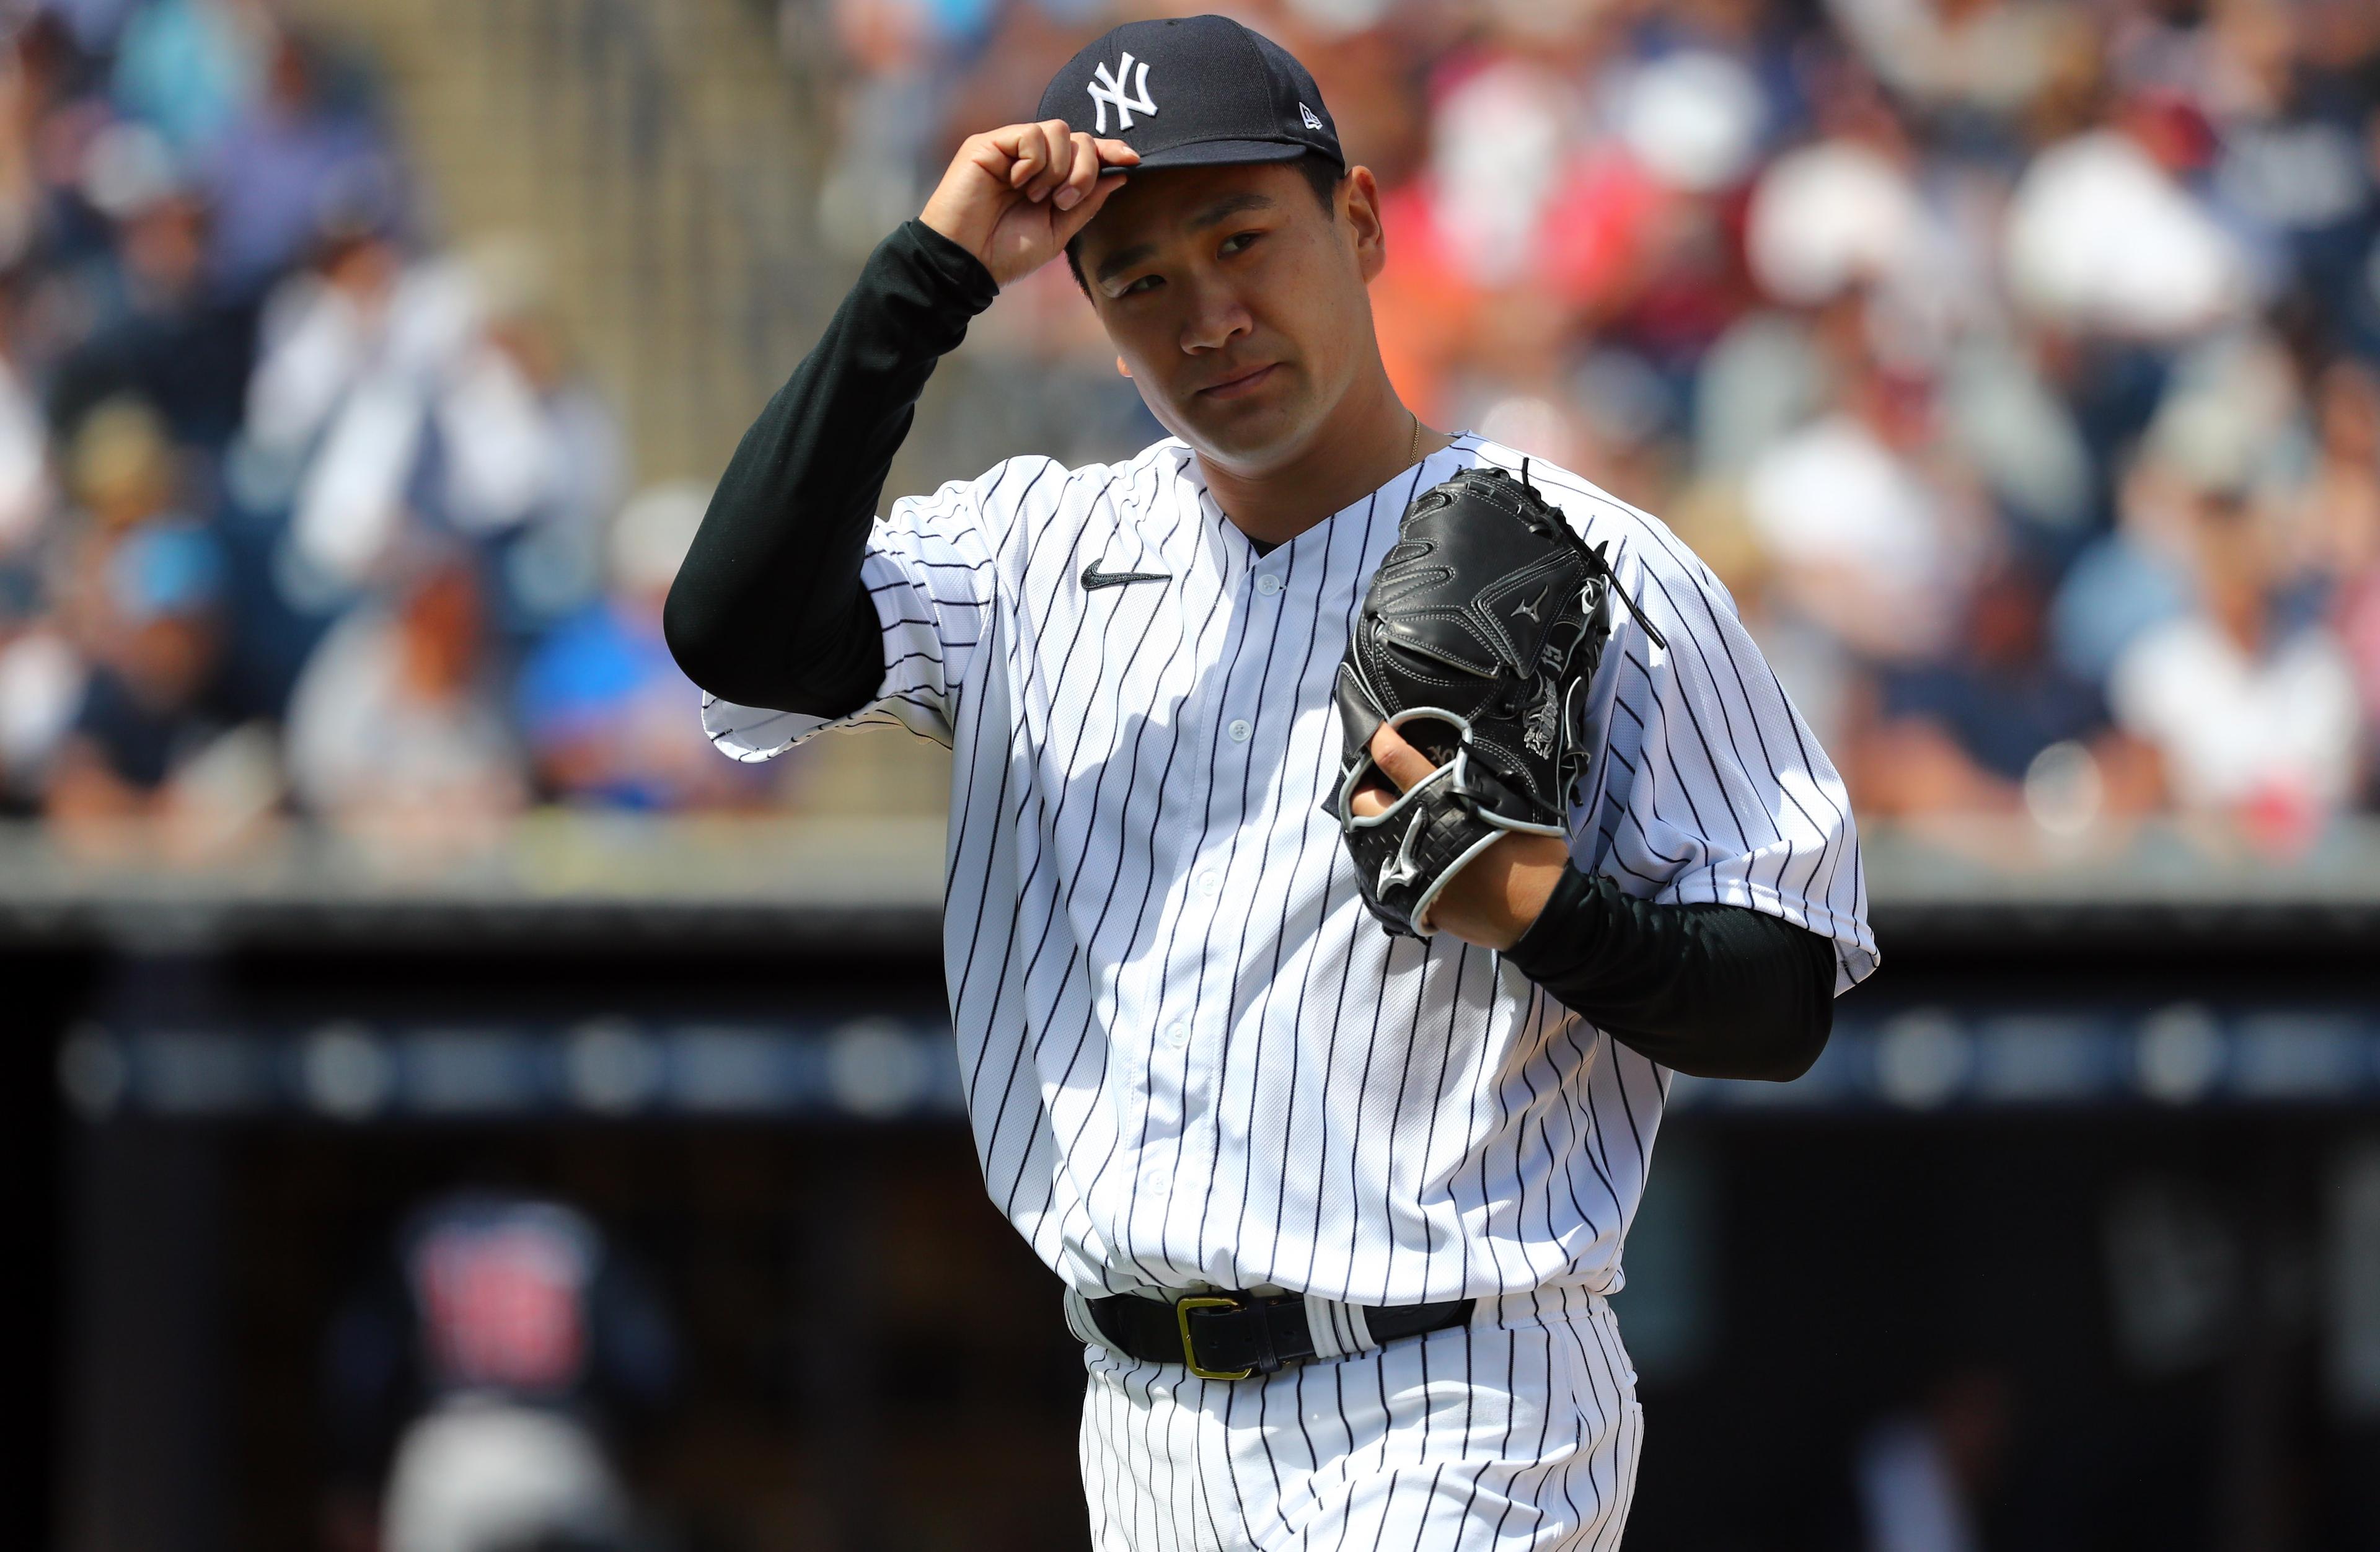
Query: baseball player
point(1336, 1173)
point(484, 1365)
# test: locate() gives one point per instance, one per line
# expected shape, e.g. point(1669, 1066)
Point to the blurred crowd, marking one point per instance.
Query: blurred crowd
point(2015, 362)
point(300, 510)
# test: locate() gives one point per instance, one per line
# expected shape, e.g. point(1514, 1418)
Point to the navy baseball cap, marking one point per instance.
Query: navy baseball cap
point(1194, 92)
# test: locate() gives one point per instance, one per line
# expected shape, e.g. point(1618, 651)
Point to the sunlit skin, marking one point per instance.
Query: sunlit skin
point(1240, 310)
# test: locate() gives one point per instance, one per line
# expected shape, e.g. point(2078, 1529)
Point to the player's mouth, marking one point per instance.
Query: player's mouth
point(1247, 382)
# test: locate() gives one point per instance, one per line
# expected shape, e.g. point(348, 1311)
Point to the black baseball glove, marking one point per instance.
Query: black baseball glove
point(1476, 642)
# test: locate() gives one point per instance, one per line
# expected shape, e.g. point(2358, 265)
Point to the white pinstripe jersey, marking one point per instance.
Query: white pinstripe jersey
point(1189, 1054)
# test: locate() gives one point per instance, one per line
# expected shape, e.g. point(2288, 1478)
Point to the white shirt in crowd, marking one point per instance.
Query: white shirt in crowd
point(2235, 728)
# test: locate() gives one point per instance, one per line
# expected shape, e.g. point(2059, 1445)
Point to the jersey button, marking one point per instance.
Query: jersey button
point(1268, 583)
point(1156, 1180)
point(1208, 882)
point(1177, 1035)
point(1240, 731)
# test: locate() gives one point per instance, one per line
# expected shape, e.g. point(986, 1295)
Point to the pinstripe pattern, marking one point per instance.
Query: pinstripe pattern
point(1190, 1056)
point(1520, 1430)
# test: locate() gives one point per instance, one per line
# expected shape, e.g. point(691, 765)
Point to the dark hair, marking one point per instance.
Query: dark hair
point(1321, 174)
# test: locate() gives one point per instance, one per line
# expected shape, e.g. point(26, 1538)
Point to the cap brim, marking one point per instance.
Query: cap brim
point(1219, 153)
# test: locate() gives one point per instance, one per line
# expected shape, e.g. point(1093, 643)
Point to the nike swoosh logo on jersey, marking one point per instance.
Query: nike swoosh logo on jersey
point(1094, 577)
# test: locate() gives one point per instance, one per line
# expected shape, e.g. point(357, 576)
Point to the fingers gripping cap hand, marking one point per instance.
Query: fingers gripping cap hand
point(1479, 632)
point(1188, 91)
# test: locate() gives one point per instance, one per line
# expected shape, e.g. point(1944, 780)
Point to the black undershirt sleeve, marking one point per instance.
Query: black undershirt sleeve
point(1715, 992)
point(767, 608)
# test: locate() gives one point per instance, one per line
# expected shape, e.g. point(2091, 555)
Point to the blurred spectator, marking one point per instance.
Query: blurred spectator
point(153, 737)
point(158, 329)
point(529, 454)
point(2204, 612)
point(390, 396)
point(1831, 217)
point(2342, 494)
point(1962, 732)
point(484, 1368)
point(601, 700)
point(149, 739)
point(331, 427)
point(2101, 236)
point(1871, 538)
point(1924, 1476)
point(41, 681)
point(303, 154)
point(2253, 714)
point(188, 68)
point(902, 56)
point(26, 496)
point(1970, 62)
point(396, 729)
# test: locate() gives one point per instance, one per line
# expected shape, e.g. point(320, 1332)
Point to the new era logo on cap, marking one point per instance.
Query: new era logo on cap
point(1106, 89)
point(1232, 95)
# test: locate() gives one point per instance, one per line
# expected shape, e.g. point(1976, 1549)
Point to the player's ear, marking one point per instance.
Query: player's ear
point(1123, 370)
point(1359, 196)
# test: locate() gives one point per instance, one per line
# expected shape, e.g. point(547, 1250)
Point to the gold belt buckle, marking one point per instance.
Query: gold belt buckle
point(1182, 1308)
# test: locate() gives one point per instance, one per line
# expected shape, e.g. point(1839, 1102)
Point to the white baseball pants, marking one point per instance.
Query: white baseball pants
point(1520, 1429)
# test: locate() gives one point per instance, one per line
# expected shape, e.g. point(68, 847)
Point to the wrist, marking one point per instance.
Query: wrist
point(1495, 900)
point(1549, 930)
point(953, 228)
point(947, 265)
point(1530, 887)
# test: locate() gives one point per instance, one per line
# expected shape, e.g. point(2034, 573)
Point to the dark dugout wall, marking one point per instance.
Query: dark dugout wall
point(2089, 1187)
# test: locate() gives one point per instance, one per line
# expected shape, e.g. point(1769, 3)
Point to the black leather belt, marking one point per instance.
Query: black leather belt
point(1231, 1336)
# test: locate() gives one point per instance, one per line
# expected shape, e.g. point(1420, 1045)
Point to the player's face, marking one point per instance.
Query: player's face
point(1236, 301)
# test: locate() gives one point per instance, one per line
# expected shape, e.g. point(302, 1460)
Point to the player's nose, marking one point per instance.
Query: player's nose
point(1215, 319)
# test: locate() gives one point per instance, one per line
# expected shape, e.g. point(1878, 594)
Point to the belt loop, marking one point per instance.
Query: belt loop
point(1082, 1323)
point(1267, 1354)
point(1338, 1329)
point(1322, 1324)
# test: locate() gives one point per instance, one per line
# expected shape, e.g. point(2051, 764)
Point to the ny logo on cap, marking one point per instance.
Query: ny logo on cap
point(1109, 89)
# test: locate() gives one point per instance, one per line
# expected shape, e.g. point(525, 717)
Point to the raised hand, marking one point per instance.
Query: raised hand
point(1014, 197)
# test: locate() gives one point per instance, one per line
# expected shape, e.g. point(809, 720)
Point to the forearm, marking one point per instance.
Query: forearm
point(1717, 991)
point(767, 608)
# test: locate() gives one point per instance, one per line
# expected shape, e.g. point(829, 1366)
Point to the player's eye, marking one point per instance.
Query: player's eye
point(1239, 242)
point(1146, 282)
